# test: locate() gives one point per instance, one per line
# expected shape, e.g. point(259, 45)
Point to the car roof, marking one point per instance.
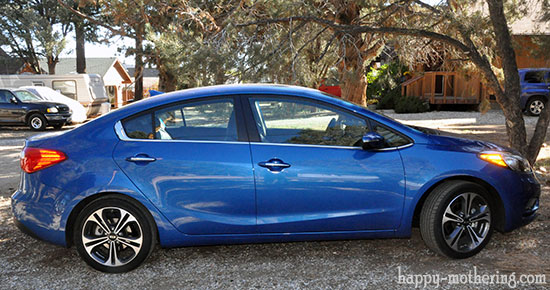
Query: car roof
point(235, 89)
point(534, 69)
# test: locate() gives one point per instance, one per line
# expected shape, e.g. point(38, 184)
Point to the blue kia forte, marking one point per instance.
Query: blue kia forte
point(262, 163)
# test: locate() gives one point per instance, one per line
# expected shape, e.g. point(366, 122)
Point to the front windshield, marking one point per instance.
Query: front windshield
point(26, 96)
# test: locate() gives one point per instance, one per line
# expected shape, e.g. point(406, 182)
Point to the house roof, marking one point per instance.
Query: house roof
point(148, 72)
point(97, 65)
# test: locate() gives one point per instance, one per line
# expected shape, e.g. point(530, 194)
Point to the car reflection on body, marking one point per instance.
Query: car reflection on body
point(262, 163)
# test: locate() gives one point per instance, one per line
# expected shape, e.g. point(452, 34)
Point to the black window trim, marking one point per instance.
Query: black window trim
point(241, 131)
point(254, 135)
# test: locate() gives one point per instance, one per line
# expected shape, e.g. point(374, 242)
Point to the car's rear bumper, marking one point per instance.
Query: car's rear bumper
point(38, 214)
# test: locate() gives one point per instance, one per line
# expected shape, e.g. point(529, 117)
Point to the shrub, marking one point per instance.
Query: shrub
point(388, 99)
point(410, 104)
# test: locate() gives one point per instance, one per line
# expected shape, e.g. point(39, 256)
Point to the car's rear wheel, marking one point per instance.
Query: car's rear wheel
point(37, 122)
point(113, 235)
point(456, 219)
point(535, 105)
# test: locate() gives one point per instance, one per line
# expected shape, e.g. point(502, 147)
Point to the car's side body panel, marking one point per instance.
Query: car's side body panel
point(201, 187)
point(328, 189)
point(529, 90)
point(423, 171)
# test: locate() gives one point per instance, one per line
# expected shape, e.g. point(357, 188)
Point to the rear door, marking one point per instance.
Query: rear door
point(192, 160)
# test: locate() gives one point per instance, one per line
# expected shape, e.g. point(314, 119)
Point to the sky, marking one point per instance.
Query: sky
point(101, 50)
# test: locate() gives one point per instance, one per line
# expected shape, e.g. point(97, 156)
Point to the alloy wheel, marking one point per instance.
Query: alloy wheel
point(466, 222)
point(536, 107)
point(112, 236)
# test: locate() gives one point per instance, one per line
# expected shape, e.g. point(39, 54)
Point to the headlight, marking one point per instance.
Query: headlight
point(514, 162)
point(52, 110)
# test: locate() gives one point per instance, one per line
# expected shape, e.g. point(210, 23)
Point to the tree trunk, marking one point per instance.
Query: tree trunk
point(138, 75)
point(510, 99)
point(167, 80)
point(52, 62)
point(80, 49)
point(354, 85)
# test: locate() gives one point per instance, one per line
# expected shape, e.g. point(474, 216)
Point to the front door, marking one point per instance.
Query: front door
point(311, 176)
point(192, 161)
point(10, 112)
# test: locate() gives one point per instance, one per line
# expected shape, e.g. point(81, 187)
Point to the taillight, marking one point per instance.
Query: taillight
point(34, 159)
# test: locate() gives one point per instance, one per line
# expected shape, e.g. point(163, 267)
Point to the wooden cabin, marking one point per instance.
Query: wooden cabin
point(439, 86)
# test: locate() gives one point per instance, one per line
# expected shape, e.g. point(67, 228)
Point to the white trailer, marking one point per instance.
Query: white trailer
point(88, 89)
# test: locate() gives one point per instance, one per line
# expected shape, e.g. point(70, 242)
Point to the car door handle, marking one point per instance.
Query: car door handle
point(141, 159)
point(274, 164)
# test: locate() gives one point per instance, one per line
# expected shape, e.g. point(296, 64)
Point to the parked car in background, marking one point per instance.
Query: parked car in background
point(19, 107)
point(47, 94)
point(262, 163)
point(88, 89)
point(535, 89)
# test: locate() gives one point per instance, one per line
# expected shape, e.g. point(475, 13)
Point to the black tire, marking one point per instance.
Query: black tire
point(37, 122)
point(111, 209)
point(437, 231)
point(535, 105)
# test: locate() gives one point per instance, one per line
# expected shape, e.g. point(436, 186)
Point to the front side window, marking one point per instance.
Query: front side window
point(67, 88)
point(5, 96)
point(204, 120)
point(391, 138)
point(296, 121)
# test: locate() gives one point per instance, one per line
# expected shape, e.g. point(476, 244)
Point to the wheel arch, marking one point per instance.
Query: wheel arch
point(532, 96)
point(500, 211)
point(69, 228)
point(30, 113)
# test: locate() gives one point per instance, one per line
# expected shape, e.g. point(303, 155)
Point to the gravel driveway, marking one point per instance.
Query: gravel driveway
point(28, 263)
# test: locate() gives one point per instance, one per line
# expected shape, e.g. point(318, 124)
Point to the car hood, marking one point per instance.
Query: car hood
point(48, 103)
point(467, 145)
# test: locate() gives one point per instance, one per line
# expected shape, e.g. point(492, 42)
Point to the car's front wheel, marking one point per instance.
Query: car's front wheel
point(457, 219)
point(113, 235)
point(37, 122)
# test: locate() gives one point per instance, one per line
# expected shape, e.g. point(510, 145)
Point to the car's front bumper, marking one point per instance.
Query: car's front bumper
point(523, 202)
point(58, 118)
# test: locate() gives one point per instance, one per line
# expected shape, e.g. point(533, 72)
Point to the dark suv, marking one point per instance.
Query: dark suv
point(20, 107)
point(535, 89)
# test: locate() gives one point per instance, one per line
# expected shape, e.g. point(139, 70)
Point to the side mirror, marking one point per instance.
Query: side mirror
point(372, 140)
point(13, 100)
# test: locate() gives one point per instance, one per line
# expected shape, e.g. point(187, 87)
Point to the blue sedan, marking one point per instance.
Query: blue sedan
point(262, 163)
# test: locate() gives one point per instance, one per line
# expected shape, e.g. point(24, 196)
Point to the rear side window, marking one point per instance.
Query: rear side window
point(535, 77)
point(212, 120)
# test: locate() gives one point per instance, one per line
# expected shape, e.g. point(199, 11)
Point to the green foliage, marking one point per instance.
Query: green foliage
point(411, 104)
point(389, 98)
point(384, 83)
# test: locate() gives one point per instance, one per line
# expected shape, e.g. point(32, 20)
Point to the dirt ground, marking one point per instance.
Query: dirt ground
point(27, 263)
